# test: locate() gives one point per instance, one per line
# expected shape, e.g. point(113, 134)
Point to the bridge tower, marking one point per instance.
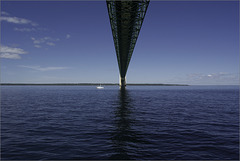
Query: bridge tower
point(126, 18)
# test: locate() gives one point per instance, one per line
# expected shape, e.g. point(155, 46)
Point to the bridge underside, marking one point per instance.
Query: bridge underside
point(126, 18)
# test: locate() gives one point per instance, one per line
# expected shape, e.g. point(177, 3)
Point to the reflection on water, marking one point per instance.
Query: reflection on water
point(149, 123)
point(124, 136)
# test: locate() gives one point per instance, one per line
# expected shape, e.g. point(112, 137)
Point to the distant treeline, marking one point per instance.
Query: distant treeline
point(87, 84)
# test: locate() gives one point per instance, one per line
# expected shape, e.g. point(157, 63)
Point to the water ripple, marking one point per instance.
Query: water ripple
point(53, 123)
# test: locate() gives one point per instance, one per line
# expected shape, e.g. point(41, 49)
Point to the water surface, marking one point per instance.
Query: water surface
point(141, 122)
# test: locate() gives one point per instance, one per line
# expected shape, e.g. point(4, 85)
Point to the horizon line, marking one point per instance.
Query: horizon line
point(157, 84)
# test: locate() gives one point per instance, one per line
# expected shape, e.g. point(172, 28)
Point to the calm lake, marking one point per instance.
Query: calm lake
point(141, 122)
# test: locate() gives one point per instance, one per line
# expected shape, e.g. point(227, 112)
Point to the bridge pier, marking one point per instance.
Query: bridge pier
point(122, 81)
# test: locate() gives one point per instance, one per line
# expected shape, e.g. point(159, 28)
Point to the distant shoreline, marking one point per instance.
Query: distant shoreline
point(88, 84)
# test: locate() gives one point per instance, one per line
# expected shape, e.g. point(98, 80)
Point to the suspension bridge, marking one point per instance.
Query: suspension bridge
point(126, 18)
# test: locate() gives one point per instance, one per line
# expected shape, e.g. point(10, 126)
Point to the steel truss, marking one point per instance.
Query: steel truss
point(126, 18)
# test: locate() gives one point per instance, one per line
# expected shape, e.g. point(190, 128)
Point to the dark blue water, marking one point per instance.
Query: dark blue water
point(82, 122)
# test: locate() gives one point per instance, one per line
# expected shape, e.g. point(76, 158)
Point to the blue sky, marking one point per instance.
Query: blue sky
point(188, 42)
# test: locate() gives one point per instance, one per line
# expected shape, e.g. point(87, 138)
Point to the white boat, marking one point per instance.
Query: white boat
point(100, 87)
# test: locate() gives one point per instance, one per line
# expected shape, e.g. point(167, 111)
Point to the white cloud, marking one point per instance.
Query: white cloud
point(17, 20)
point(68, 36)
point(9, 56)
point(45, 40)
point(4, 13)
point(220, 75)
point(37, 46)
point(11, 53)
point(213, 78)
point(37, 41)
point(50, 44)
point(24, 29)
point(6, 49)
point(38, 68)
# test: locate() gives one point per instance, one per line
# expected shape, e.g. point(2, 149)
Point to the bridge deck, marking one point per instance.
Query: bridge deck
point(126, 18)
